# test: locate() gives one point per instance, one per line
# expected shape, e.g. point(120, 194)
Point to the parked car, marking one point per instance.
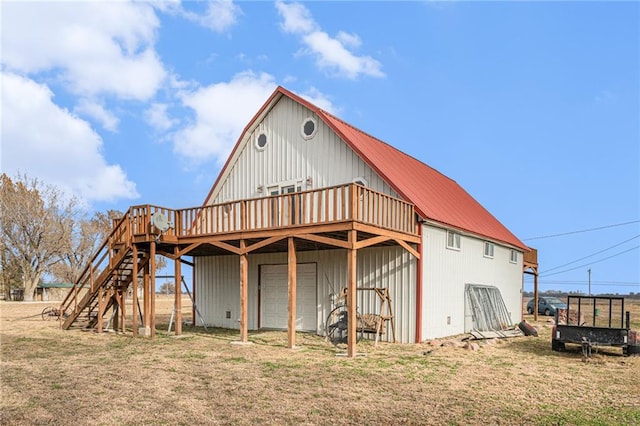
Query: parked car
point(547, 305)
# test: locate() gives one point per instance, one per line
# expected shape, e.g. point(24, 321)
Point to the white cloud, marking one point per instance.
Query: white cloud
point(297, 18)
point(91, 47)
point(58, 148)
point(96, 111)
point(332, 54)
point(219, 16)
point(351, 40)
point(158, 118)
point(222, 111)
point(320, 100)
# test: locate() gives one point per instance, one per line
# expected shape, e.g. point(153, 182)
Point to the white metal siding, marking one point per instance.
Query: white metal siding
point(445, 273)
point(218, 278)
point(288, 157)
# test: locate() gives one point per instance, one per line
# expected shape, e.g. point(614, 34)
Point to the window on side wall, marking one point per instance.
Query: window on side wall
point(513, 257)
point(453, 240)
point(488, 249)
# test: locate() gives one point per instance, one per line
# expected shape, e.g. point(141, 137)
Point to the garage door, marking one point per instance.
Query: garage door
point(274, 296)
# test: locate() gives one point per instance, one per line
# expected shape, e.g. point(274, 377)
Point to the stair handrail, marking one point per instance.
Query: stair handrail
point(79, 284)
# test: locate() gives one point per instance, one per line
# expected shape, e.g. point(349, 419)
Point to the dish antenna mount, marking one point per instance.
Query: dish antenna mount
point(160, 221)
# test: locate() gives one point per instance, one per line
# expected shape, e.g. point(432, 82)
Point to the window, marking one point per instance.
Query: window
point(285, 210)
point(309, 128)
point(453, 240)
point(513, 257)
point(261, 141)
point(488, 249)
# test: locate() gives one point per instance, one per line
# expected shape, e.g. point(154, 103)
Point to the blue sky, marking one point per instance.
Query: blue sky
point(532, 107)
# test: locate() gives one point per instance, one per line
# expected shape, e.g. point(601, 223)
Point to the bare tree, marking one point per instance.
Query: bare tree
point(84, 241)
point(36, 221)
point(10, 275)
point(167, 288)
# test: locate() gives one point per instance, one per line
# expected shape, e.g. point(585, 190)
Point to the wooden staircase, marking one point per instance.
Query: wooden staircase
point(104, 281)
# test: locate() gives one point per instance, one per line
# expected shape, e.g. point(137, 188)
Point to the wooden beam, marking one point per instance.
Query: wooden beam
point(419, 287)
point(134, 284)
point(166, 254)
point(264, 243)
point(152, 287)
point(146, 302)
point(100, 309)
point(244, 284)
point(409, 238)
point(371, 241)
point(186, 250)
point(115, 306)
point(535, 298)
point(324, 240)
point(177, 304)
point(291, 323)
point(336, 226)
point(193, 295)
point(123, 309)
point(410, 249)
point(227, 247)
point(351, 295)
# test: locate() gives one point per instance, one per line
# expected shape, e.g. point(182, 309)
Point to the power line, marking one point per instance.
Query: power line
point(580, 231)
point(591, 255)
point(591, 263)
point(584, 283)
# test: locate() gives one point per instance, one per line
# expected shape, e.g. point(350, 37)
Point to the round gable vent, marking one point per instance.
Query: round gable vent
point(309, 128)
point(261, 141)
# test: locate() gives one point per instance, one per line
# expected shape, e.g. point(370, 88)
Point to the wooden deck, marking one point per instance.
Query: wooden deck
point(349, 216)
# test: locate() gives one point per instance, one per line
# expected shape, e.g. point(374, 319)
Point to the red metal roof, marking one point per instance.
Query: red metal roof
point(434, 195)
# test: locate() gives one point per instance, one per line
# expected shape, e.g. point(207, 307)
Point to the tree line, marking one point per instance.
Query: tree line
point(45, 233)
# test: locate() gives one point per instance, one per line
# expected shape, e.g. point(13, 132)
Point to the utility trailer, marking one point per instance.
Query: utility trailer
point(591, 321)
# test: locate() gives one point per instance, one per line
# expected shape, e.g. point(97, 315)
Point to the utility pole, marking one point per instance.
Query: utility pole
point(589, 271)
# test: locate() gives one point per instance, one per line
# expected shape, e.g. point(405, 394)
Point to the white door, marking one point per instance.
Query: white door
point(274, 296)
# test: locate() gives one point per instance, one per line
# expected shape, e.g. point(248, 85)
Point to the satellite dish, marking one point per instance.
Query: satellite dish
point(159, 220)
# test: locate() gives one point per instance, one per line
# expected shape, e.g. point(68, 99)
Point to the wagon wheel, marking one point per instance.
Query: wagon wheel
point(337, 326)
point(50, 313)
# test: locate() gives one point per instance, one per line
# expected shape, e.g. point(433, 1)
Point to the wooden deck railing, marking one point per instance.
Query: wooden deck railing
point(314, 207)
point(319, 206)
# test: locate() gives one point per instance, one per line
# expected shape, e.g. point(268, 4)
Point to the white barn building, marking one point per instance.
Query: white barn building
point(309, 213)
point(291, 146)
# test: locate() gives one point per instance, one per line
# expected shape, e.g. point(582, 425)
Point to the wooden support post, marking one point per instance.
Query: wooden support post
point(134, 284)
point(146, 305)
point(115, 306)
point(291, 324)
point(152, 287)
point(535, 295)
point(244, 278)
point(177, 306)
point(193, 294)
point(123, 309)
point(100, 309)
point(351, 295)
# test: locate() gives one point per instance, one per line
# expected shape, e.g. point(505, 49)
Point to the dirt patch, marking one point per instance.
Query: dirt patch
point(50, 376)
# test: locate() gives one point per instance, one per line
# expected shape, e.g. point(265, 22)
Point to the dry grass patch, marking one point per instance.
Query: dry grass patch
point(50, 376)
